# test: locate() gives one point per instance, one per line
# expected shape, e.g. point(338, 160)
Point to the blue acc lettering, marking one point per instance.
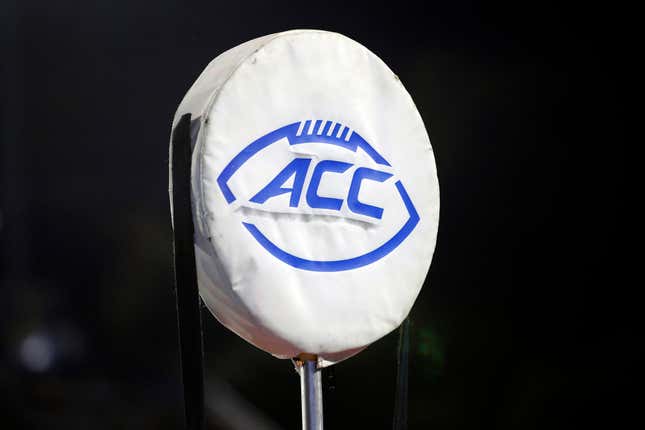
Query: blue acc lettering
point(291, 180)
point(298, 170)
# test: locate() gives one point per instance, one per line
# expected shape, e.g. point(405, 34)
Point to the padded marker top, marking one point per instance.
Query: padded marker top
point(315, 195)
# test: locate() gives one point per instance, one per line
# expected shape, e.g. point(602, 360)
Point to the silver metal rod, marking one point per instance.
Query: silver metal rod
point(311, 395)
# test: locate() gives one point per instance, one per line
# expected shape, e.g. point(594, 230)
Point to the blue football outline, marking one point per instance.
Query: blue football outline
point(299, 133)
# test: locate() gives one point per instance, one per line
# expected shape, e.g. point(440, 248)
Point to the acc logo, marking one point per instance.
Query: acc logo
point(315, 168)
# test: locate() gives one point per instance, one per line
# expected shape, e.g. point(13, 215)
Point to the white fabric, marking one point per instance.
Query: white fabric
point(279, 304)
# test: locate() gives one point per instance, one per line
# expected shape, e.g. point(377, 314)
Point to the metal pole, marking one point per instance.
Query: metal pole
point(310, 392)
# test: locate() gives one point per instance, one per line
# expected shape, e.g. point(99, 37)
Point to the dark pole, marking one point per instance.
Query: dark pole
point(188, 301)
point(401, 399)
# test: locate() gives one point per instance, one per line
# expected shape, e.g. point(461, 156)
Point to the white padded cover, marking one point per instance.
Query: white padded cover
point(315, 194)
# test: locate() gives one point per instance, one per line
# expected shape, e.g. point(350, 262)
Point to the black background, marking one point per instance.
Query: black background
point(522, 323)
